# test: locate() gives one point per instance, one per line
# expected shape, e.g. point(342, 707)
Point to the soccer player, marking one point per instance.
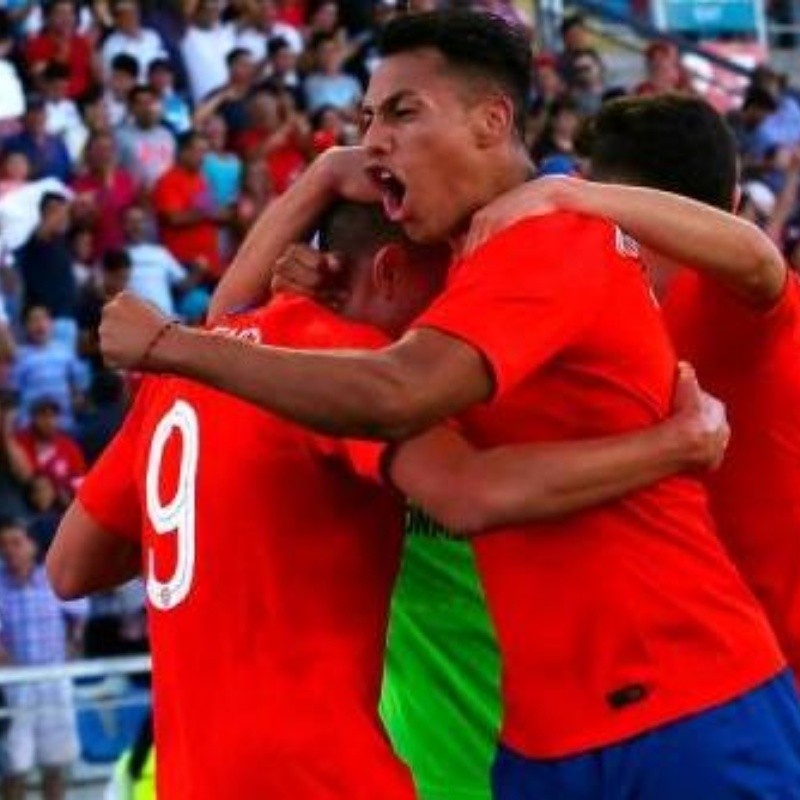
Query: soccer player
point(630, 646)
point(734, 311)
point(269, 559)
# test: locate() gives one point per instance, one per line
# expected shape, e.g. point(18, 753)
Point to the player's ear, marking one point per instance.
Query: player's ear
point(493, 120)
point(387, 269)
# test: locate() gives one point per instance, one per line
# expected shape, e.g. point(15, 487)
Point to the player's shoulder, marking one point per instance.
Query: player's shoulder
point(556, 235)
point(294, 321)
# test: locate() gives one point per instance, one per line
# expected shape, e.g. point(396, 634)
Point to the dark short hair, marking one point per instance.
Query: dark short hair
point(758, 97)
point(572, 21)
point(139, 90)
point(124, 62)
point(160, 63)
point(51, 4)
point(357, 230)
point(49, 199)
point(116, 261)
point(236, 54)
point(276, 44)
point(674, 142)
point(188, 138)
point(480, 46)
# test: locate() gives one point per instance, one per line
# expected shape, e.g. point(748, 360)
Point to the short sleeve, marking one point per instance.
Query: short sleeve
point(361, 457)
point(527, 294)
point(108, 493)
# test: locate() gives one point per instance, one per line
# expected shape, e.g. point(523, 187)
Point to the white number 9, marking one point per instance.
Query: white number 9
point(178, 515)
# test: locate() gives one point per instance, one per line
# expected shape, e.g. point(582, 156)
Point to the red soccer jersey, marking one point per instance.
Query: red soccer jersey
point(270, 558)
point(622, 618)
point(751, 360)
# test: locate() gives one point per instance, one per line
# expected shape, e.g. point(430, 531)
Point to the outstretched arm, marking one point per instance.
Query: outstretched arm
point(721, 245)
point(469, 490)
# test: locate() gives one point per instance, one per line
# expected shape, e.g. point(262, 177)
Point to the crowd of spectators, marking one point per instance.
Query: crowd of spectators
point(139, 141)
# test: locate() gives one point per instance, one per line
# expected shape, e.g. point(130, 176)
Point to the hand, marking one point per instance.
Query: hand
point(532, 199)
point(699, 421)
point(313, 273)
point(128, 329)
point(344, 169)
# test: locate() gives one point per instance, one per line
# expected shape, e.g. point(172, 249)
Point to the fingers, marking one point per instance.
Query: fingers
point(306, 271)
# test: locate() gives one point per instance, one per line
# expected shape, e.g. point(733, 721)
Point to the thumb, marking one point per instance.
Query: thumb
point(687, 395)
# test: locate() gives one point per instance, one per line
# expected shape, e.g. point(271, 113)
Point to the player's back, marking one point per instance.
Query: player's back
point(271, 568)
point(751, 360)
point(627, 616)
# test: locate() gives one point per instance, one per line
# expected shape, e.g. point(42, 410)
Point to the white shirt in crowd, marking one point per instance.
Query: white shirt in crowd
point(64, 120)
point(257, 42)
point(19, 210)
point(204, 53)
point(12, 97)
point(154, 271)
point(145, 48)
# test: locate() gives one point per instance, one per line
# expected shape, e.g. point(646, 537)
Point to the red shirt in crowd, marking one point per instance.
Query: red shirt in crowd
point(59, 458)
point(270, 556)
point(75, 54)
point(112, 198)
point(180, 190)
point(284, 164)
point(751, 360)
point(627, 616)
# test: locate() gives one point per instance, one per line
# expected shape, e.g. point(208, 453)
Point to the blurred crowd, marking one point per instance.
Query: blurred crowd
point(139, 141)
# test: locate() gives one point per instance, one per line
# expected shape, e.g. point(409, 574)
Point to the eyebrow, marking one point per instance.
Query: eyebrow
point(390, 102)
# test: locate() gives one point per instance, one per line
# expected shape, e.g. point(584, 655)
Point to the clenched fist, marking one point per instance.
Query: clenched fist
point(129, 328)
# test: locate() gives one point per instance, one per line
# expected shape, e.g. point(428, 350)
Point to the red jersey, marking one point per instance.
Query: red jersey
point(624, 617)
point(751, 361)
point(60, 459)
point(112, 199)
point(75, 54)
point(270, 556)
point(180, 190)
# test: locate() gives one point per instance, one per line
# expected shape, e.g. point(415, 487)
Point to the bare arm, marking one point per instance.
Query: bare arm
point(85, 558)
point(693, 234)
point(787, 201)
point(289, 219)
point(469, 490)
point(387, 394)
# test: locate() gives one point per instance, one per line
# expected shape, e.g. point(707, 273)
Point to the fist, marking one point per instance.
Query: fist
point(313, 273)
point(129, 327)
point(701, 421)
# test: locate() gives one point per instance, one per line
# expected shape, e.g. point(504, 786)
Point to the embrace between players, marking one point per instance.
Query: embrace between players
point(492, 350)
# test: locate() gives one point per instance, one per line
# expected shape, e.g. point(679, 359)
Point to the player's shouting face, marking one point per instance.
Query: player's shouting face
point(440, 127)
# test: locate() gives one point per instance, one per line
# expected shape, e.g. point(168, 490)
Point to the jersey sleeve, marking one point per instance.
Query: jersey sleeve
point(108, 493)
point(526, 294)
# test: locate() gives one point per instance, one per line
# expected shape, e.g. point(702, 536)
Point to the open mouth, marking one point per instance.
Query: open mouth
point(393, 192)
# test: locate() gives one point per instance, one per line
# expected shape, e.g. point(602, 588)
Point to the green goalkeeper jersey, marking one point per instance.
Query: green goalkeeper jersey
point(441, 693)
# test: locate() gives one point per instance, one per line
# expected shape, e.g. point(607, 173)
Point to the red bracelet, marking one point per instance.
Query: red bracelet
point(160, 334)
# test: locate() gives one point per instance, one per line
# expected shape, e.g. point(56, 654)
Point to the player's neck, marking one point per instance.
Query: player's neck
point(511, 167)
